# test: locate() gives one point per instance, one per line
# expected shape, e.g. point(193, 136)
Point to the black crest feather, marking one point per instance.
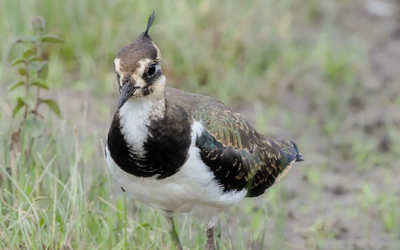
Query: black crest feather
point(149, 24)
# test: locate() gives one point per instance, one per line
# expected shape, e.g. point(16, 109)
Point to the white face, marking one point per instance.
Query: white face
point(117, 65)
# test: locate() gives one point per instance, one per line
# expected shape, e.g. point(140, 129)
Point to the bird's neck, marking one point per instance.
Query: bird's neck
point(143, 108)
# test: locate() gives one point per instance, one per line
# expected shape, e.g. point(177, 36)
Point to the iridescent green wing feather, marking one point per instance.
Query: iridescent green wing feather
point(239, 157)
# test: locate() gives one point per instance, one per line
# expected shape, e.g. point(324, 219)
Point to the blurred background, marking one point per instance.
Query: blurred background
point(325, 74)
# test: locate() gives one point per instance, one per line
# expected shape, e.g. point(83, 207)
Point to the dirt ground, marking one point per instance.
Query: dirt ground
point(377, 26)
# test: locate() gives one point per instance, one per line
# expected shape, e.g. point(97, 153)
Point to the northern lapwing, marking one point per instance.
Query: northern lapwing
point(181, 152)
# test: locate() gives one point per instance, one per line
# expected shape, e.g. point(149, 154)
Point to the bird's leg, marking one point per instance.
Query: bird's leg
point(172, 231)
point(210, 239)
point(210, 233)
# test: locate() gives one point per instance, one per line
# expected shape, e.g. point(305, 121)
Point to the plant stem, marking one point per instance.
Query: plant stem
point(26, 91)
point(38, 46)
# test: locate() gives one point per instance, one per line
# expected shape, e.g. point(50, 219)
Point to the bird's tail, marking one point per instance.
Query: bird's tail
point(289, 153)
point(299, 157)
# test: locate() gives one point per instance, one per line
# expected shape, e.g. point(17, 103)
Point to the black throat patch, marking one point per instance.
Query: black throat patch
point(166, 147)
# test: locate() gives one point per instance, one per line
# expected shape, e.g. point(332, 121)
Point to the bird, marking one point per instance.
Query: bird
point(181, 152)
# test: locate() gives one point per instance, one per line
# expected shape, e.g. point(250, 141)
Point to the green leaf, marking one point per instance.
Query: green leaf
point(17, 108)
point(34, 58)
point(42, 222)
point(27, 53)
point(33, 127)
point(40, 83)
point(15, 85)
point(26, 39)
point(52, 39)
point(53, 106)
point(32, 69)
point(41, 65)
point(17, 61)
point(22, 71)
point(43, 70)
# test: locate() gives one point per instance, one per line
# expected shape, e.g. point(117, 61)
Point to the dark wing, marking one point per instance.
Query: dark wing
point(240, 157)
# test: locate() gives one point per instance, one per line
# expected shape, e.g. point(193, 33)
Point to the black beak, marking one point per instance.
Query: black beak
point(127, 91)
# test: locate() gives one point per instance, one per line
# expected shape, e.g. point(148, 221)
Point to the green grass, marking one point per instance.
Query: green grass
point(284, 63)
point(57, 201)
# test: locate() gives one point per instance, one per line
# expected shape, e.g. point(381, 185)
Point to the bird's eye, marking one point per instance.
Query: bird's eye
point(152, 70)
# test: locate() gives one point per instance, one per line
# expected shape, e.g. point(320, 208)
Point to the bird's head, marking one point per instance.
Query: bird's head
point(138, 69)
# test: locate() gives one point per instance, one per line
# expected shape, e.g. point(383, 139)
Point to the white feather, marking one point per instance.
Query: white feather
point(192, 189)
point(135, 116)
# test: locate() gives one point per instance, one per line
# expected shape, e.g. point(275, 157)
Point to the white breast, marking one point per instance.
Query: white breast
point(192, 189)
point(135, 116)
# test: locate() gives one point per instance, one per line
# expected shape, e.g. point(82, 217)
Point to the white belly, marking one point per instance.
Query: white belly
point(191, 189)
